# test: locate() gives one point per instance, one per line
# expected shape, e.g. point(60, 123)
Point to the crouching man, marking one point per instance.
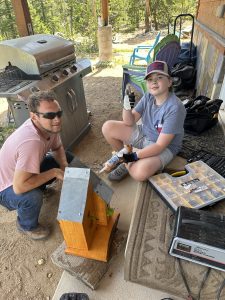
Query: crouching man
point(32, 157)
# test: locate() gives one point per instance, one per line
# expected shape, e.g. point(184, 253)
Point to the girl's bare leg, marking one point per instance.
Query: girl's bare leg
point(142, 169)
point(116, 133)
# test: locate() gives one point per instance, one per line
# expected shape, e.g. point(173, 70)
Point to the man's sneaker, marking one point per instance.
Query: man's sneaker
point(38, 233)
point(119, 173)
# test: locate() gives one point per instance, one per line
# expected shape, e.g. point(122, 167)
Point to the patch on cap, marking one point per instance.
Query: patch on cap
point(157, 67)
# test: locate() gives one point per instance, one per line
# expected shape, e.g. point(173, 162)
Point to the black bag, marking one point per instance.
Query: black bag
point(185, 71)
point(202, 114)
point(185, 55)
point(183, 76)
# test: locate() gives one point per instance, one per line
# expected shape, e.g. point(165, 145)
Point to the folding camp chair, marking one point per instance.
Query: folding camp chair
point(164, 41)
point(146, 57)
point(135, 76)
point(166, 50)
point(169, 53)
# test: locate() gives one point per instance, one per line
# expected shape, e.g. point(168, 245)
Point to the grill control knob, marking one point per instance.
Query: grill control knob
point(34, 89)
point(73, 68)
point(55, 78)
point(65, 72)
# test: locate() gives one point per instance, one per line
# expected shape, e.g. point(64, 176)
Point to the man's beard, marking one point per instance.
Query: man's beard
point(50, 131)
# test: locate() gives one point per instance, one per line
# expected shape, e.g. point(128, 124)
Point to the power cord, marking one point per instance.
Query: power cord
point(220, 290)
point(190, 297)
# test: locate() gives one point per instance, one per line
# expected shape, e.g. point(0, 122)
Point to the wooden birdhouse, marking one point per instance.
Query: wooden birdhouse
point(82, 214)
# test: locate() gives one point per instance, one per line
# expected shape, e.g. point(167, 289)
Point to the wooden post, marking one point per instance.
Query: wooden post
point(105, 34)
point(105, 12)
point(23, 19)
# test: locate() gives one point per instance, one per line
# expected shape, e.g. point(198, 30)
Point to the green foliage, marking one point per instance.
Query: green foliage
point(78, 19)
point(164, 11)
point(125, 15)
point(70, 19)
point(104, 64)
point(5, 132)
point(109, 211)
point(86, 46)
point(8, 28)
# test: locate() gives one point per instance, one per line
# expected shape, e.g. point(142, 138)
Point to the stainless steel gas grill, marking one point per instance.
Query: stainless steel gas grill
point(45, 62)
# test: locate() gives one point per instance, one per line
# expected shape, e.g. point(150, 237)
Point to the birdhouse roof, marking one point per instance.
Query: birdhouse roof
point(74, 194)
point(99, 186)
point(73, 197)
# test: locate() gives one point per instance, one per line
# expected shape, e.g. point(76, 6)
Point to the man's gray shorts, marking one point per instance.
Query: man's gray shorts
point(138, 140)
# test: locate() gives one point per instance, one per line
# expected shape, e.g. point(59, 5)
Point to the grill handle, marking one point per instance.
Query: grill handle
point(72, 106)
point(55, 63)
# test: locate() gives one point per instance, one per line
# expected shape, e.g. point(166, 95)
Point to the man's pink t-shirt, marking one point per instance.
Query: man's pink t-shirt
point(24, 150)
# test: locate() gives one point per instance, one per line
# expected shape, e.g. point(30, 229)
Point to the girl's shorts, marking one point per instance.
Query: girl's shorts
point(138, 140)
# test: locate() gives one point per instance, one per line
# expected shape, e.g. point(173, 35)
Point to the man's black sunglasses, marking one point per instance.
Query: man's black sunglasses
point(50, 115)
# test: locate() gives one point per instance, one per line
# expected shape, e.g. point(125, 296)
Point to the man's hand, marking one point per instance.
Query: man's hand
point(59, 174)
point(24, 181)
point(126, 103)
point(130, 157)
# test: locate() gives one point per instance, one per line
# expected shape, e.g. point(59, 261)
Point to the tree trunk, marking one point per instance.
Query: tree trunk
point(155, 21)
point(71, 20)
point(148, 26)
point(94, 9)
point(43, 11)
point(136, 14)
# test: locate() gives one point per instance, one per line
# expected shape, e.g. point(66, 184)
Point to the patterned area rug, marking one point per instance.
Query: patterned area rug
point(147, 260)
point(212, 141)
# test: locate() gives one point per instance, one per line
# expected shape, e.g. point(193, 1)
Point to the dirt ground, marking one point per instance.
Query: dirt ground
point(23, 275)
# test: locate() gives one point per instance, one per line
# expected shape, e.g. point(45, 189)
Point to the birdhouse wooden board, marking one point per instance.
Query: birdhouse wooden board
point(100, 209)
point(82, 216)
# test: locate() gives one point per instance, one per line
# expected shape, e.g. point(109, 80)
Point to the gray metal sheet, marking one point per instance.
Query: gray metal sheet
point(74, 194)
point(99, 186)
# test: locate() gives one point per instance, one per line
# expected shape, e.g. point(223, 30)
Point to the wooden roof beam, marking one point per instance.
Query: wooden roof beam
point(23, 19)
point(105, 12)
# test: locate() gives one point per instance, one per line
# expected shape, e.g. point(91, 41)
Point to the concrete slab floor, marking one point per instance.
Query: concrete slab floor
point(113, 286)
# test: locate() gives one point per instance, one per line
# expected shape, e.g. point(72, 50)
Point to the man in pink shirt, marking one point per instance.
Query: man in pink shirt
point(31, 157)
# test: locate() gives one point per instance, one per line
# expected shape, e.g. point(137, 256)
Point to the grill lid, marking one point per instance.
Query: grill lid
point(36, 54)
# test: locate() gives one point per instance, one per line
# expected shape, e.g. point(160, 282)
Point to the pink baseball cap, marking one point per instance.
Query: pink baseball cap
point(157, 66)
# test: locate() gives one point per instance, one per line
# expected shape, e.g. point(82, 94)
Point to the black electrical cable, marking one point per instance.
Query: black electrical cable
point(220, 290)
point(186, 283)
point(203, 282)
point(184, 278)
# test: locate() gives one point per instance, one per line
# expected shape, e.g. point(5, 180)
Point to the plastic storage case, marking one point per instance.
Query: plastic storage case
point(200, 187)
